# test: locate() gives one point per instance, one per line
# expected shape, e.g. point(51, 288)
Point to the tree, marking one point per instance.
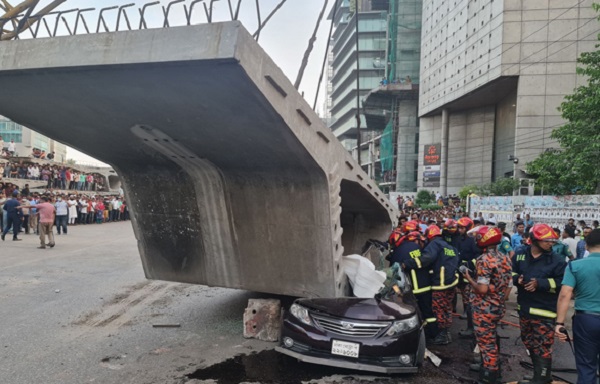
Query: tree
point(574, 167)
point(423, 197)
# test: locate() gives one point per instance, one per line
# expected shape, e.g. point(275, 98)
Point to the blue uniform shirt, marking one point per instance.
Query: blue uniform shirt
point(583, 276)
point(504, 247)
point(515, 240)
point(10, 207)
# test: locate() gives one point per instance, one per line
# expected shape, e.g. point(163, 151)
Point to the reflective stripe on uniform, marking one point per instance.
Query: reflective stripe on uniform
point(430, 320)
point(514, 273)
point(552, 285)
point(415, 282)
point(444, 287)
point(542, 312)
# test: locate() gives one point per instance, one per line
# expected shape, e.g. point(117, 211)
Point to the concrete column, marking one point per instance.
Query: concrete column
point(406, 141)
point(444, 167)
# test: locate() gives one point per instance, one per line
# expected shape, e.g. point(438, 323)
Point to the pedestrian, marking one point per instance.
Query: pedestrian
point(491, 286)
point(47, 214)
point(62, 214)
point(568, 238)
point(581, 279)
point(581, 251)
point(561, 248)
point(442, 258)
point(13, 216)
point(517, 238)
point(538, 274)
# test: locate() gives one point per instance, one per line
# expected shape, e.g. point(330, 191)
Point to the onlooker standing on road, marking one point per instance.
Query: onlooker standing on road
point(517, 238)
point(581, 252)
point(568, 238)
point(62, 214)
point(25, 203)
point(13, 216)
point(581, 277)
point(47, 215)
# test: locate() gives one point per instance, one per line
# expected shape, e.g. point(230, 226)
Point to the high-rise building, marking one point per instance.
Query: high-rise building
point(26, 140)
point(388, 55)
point(493, 74)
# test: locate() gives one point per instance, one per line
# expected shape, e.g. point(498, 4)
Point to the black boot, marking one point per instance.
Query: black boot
point(469, 332)
point(487, 377)
point(542, 371)
point(442, 338)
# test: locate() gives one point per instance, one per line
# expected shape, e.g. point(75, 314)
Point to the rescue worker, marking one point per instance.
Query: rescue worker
point(449, 232)
point(538, 274)
point(442, 259)
point(410, 247)
point(395, 239)
point(468, 253)
point(490, 286)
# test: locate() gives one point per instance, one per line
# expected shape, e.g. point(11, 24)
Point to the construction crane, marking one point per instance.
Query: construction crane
point(16, 19)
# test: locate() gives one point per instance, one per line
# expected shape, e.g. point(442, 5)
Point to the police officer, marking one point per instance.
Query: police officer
point(468, 253)
point(490, 286)
point(409, 248)
point(581, 278)
point(538, 273)
point(442, 259)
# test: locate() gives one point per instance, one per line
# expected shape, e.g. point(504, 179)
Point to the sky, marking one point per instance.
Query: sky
point(285, 37)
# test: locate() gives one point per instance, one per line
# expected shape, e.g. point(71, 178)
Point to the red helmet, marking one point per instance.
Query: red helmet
point(541, 232)
point(488, 236)
point(433, 231)
point(465, 222)
point(450, 226)
point(395, 238)
point(414, 236)
point(411, 226)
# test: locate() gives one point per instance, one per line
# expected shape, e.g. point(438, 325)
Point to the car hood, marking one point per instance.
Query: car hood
point(360, 309)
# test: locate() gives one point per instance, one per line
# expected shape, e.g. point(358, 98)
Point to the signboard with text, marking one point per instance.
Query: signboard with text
point(432, 159)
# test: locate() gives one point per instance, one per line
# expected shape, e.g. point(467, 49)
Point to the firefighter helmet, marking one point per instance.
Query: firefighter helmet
point(450, 226)
point(543, 232)
point(465, 222)
point(432, 231)
point(411, 226)
point(488, 236)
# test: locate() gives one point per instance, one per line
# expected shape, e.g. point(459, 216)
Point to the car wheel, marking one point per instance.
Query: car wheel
point(421, 350)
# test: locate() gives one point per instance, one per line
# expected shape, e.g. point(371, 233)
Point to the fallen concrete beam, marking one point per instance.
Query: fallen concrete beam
point(232, 180)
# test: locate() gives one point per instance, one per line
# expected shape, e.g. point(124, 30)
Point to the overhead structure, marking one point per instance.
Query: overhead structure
point(231, 178)
point(23, 16)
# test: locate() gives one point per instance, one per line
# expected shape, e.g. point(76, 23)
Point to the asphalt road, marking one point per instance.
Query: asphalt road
point(83, 312)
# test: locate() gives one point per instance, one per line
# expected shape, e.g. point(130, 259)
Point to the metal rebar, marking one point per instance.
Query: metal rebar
point(142, 12)
point(259, 20)
point(122, 11)
point(261, 26)
point(188, 15)
point(335, 5)
point(80, 15)
point(58, 17)
point(101, 18)
point(311, 43)
point(167, 10)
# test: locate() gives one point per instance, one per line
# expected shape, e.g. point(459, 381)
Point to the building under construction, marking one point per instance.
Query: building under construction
point(377, 75)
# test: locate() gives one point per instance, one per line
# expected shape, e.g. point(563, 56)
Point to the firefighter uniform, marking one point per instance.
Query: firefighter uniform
point(420, 281)
point(468, 254)
point(442, 259)
point(493, 270)
point(537, 310)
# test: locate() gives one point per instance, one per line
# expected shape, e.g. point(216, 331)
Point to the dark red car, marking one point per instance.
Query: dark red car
point(374, 335)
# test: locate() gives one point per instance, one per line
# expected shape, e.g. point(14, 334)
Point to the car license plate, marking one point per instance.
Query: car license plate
point(344, 348)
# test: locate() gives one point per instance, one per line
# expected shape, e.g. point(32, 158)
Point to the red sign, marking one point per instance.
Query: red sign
point(433, 154)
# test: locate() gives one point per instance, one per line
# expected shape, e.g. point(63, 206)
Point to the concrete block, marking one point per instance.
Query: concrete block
point(530, 105)
point(564, 30)
point(532, 85)
point(535, 4)
point(552, 104)
point(262, 319)
point(535, 15)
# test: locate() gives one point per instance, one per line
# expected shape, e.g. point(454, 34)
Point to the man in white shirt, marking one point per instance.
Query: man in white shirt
point(62, 214)
point(12, 147)
point(568, 238)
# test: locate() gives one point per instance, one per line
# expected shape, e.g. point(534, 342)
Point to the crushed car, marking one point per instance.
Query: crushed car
point(383, 334)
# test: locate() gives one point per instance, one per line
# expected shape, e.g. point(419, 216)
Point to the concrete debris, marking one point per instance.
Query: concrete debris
point(434, 359)
point(262, 319)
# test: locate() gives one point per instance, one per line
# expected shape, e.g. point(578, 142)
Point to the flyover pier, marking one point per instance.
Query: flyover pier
point(231, 178)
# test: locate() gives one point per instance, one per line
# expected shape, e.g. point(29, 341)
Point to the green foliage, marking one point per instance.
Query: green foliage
point(574, 167)
point(423, 198)
point(464, 192)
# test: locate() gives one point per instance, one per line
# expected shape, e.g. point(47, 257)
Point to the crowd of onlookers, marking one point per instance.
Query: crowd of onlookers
point(57, 176)
point(73, 209)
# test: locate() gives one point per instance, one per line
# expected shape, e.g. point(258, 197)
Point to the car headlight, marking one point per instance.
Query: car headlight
point(300, 313)
point(402, 326)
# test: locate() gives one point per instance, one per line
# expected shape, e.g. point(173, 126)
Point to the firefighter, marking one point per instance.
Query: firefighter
point(490, 288)
point(410, 247)
point(468, 253)
point(449, 232)
point(538, 273)
point(442, 259)
point(396, 237)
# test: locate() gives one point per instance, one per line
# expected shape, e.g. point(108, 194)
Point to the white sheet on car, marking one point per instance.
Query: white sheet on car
point(364, 279)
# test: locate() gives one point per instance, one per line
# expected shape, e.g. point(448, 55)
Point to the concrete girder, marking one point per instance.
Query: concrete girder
point(232, 180)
